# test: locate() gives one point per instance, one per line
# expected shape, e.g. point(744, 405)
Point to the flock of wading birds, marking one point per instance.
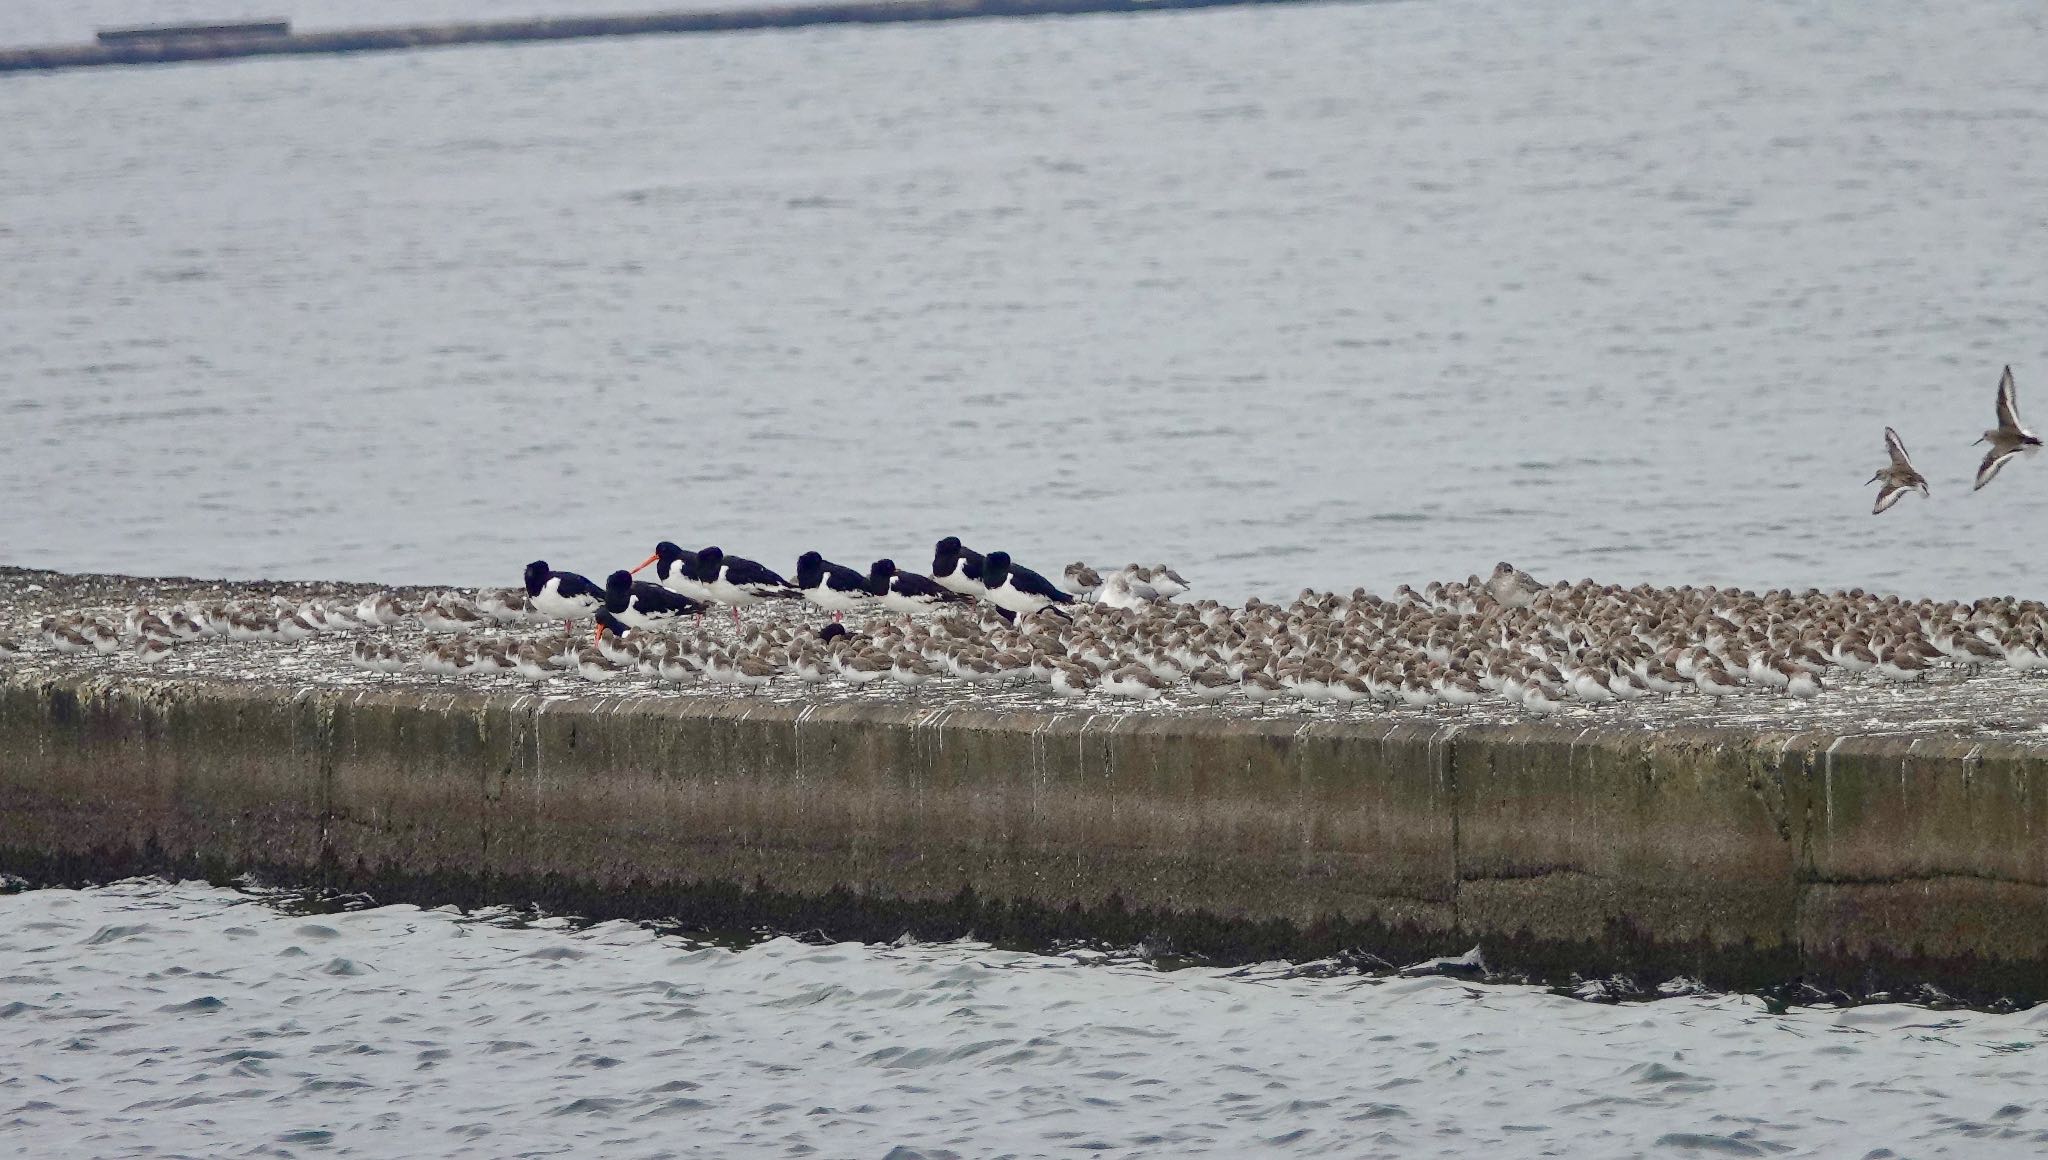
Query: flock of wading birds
point(986, 619)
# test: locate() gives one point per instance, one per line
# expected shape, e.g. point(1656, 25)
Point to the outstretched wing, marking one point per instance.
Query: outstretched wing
point(1897, 449)
point(1993, 460)
point(2008, 403)
point(1887, 495)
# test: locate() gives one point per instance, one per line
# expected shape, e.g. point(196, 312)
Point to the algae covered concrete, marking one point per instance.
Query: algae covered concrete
point(1736, 856)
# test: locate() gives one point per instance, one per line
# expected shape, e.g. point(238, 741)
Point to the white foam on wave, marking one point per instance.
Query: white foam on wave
point(153, 1019)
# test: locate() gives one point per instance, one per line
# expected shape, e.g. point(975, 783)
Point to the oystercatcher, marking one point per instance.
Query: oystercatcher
point(1017, 588)
point(833, 587)
point(907, 592)
point(958, 568)
point(563, 596)
point(736, 580)
point(674, 568)
point(639, 604)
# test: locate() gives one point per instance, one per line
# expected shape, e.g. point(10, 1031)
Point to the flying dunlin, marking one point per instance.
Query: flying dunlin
point(1899, 476)
point(2007, 439)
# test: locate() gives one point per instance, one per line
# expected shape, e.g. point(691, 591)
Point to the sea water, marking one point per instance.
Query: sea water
point(1310, 295)
point(150, 1019)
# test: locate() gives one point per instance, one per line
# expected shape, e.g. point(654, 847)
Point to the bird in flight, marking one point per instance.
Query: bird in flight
point(1898, 475)
point(2007, 439)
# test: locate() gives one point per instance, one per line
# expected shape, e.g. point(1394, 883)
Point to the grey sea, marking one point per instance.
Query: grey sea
point(147, 1019)
point(1317, 295)
point(1321, 295)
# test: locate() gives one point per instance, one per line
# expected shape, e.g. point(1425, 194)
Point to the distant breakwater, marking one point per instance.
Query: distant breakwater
point(131, 48)
point(1742, 857)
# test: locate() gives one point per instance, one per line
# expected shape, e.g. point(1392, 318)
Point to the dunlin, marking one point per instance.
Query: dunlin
point(1511, 586)
point(592, 666)
point(754, 672)
point(381, 609)
point(504, 605)
point(1899, 476)
point(2007, 439)
point(1135, 682)
point(531, 662)
point(1071, 680)
point(1207, 684)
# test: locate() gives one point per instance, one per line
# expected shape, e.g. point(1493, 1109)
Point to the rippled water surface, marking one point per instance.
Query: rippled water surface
point(1322, 295)
point(154, 1020)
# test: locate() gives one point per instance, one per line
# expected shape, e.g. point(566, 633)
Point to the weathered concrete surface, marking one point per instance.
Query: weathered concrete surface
point(168, 48)
point(1744, 858)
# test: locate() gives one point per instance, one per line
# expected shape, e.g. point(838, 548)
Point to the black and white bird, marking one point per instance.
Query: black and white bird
point(907, 592)
point(736, 580)
point(563, 596)
point(673, 568)
point(833, 587)
point(639, 604)
point(2007, 439)
point(958, 568)
point(1016, 588)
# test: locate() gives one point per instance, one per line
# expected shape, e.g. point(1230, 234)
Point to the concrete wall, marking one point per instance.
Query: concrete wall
point(1745, 859)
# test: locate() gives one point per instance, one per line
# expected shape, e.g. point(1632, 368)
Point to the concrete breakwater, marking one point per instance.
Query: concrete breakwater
point(1742, 857)
point(135, 49)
